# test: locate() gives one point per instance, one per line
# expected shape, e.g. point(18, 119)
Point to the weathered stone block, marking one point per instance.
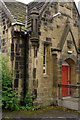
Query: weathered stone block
point(12, 47)
point(12, 56)
point(16, 83)
point(34, 73)
point(48, 12)
point(48, 39)
point(43, 19)
point(16, 65)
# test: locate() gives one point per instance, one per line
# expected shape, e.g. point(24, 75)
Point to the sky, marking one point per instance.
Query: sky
point(28, 1)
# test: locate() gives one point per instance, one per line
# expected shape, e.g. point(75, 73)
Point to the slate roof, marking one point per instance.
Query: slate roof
point(40, 7)
point(18, 10)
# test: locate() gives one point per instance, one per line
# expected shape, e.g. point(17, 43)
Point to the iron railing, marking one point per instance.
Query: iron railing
point(72, 89)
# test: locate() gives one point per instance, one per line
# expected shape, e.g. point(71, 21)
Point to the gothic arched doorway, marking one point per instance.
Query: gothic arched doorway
point(68, 77)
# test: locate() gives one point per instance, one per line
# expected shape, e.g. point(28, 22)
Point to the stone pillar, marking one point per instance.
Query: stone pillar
point(59, 71)
point(77, 78)
point(18, 59)
point(60, 77)
point(33, 83)
point(55, 77)
point(34, 71)
point(79, 84)
point(35, 42)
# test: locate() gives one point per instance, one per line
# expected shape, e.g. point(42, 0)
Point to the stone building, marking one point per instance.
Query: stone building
point(42, 42)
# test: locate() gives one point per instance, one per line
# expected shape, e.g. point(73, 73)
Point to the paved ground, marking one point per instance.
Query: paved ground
point(45, 113)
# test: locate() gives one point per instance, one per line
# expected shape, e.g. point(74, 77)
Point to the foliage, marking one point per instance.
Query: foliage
point(28, 101)
point(29, 98)
point(9, 96)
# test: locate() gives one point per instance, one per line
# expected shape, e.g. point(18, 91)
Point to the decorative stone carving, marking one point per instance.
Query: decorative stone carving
point(69, 44)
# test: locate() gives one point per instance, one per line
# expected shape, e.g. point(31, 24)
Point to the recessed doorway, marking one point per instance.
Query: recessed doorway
point(65, 79)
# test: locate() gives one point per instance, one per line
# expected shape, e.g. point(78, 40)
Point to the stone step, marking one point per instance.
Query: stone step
point(71, 103)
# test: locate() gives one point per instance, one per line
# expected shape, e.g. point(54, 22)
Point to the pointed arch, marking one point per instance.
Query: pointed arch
point(73, 40)
point(67, 29)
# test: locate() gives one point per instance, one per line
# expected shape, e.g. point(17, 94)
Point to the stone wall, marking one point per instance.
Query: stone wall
point(14, 45)
point(20, 60)
point(6, 37)
point(50, 33)
point(27, 58)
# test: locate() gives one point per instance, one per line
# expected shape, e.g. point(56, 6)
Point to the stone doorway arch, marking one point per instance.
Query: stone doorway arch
point(71, 73)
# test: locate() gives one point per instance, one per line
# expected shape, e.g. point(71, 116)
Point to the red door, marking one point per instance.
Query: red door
point(65, 76)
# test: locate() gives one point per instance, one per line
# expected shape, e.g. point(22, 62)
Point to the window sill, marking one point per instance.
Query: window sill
point(45, 75)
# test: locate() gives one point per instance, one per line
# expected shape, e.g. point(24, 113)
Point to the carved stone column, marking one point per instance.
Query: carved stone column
point(35, 42)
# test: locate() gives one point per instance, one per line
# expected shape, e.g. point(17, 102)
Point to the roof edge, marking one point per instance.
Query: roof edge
point(44, 6)
point(7, 11)
point(76, 8)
